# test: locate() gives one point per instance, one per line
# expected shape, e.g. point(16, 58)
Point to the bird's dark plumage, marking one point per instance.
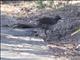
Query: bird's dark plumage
point(47, 21)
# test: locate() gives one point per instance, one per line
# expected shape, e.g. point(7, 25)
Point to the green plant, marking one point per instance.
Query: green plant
point(40, 4)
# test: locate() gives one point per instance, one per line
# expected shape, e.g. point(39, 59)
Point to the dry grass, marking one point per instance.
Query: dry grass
point(22, 9)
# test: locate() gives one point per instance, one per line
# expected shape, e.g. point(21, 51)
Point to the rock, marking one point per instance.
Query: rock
point(7, 20)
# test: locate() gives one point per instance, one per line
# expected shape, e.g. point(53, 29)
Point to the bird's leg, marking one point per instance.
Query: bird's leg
point(45, 31)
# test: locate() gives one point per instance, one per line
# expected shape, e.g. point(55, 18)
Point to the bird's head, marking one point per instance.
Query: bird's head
point(57, 17)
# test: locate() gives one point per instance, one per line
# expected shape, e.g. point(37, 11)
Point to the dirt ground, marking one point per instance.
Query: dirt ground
point(15, 45)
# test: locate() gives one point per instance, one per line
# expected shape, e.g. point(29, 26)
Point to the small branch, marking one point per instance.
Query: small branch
point(75, 32)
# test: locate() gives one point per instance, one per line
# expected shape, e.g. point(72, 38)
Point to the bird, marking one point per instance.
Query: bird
point(45, 22)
